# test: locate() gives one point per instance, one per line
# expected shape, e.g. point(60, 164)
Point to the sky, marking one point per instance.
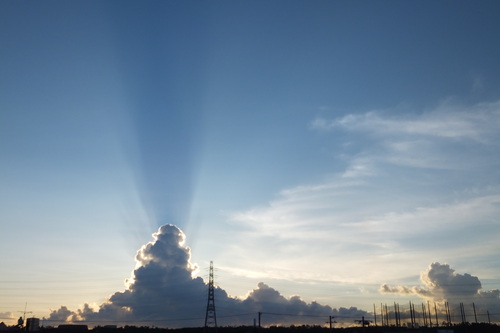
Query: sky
point(325, 155)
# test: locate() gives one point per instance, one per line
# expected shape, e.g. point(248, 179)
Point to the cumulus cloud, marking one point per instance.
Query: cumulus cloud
point(62, 314)
point(445, 283)
point(442, 284)
point(163, 291)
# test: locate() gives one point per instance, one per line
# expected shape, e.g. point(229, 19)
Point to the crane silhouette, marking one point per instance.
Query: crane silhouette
point(22, 319)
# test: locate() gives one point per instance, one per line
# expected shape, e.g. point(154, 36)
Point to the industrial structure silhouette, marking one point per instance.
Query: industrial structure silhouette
point(210, 316)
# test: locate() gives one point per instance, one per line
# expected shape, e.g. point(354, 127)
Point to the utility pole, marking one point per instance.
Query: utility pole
point(210, 318)
point(436, 312)
point(330, 321)
point(448, 313)
point(430, 316)
point(382, 314)
point(424, 315)
point(396, 315)
point(462, 312)
point(412, 316)
point(474, 307)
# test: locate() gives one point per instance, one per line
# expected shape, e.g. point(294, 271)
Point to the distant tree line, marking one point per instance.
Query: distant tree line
point(459, 328)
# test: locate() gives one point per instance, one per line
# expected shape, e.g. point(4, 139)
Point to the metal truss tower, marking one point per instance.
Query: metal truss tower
point(210, 318)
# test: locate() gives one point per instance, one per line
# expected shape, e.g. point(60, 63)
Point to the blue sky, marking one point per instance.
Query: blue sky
point(324, 148)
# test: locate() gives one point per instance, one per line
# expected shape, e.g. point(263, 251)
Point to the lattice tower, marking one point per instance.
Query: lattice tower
point(210, 318)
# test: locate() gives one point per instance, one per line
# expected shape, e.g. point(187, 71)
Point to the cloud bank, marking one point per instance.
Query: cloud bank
point(163, 291)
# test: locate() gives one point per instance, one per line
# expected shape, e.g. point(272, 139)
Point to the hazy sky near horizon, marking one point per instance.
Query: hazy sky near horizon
point(324, 148)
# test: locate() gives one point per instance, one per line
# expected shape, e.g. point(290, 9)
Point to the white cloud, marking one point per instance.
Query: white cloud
point(449, 136)
point(448, 120)
point(443, 284)
point(360, 167)
point(353, 226)
point(422, 178)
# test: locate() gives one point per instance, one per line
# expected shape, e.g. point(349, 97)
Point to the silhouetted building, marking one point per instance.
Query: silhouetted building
point(72, 328)
point(32, 324)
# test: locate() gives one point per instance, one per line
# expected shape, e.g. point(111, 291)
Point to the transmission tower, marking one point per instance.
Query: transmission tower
point(210, 319)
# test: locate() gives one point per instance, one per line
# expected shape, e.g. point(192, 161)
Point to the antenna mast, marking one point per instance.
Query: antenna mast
point(210, 319)
point(22, 319)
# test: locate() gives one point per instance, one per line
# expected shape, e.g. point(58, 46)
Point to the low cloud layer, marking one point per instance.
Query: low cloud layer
point(163, 291)
point(442, 284)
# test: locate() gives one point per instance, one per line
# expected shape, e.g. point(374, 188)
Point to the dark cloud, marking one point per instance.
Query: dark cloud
point(62, 314)
point(163, 292)
point(6, 315)
point(442, 284)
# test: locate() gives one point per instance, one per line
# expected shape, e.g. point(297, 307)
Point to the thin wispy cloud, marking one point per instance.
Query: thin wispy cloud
point(375, 208)
point(447, 120)
point(355, 230)
point(449, 136)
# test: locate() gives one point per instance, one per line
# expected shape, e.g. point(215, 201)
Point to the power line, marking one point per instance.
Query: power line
point(293, 315)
